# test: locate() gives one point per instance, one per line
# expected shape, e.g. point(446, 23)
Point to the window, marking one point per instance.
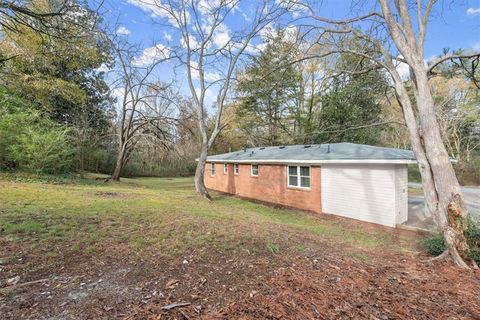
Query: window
point(299, 176)
point(235, 168)
point(225, 168)
point(212, 168)
point(254, 170)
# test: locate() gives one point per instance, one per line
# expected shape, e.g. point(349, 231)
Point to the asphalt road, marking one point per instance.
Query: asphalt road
point(471, 195)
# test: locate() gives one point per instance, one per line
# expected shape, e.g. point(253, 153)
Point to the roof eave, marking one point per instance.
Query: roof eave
point(313, 162)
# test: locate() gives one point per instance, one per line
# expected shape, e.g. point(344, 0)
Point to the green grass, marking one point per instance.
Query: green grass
point(161, 214)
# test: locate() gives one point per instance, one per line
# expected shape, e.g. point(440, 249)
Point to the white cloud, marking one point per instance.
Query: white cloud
point(212, 76)
point(404, 70)
point(296, 7)
point(154, 8)
point(193, 43)
point(167, 36)
point(210, 96)
point(123, 31)
point(246, 17)
point(151, 55)
point(103, 68)
point(473, 11)
point(209, 76)
point(208, 6)
point(221, 38)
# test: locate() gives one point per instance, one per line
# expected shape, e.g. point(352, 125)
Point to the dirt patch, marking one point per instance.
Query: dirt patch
point(109, 194)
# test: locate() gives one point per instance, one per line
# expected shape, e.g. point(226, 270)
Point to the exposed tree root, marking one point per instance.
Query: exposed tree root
point(441, 257)
point(474, 265)
point(457, 259)
point(453, 253)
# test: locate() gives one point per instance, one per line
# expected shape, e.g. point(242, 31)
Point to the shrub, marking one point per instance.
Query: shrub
point(473, 239)
point(43, 151)
point(434, 245)
point(31, 142)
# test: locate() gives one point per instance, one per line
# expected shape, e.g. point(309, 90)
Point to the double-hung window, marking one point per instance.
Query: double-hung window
point(235, 168)
point(254, 171)
point(299, 176)
point(212, 168)
point(225, 168)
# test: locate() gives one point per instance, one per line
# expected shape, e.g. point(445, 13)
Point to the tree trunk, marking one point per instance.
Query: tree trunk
point(451, 204)
point(428, 185)
point(200, 172)
point(119, 165)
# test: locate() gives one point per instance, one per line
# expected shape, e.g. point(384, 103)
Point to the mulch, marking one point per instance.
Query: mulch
point(322, 282)
point(328, 287)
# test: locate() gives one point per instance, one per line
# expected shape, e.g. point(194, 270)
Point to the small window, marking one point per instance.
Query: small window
point(212, 168)
point(235, 168)
point(225, 168)
point(299, 176)
point(254, 170)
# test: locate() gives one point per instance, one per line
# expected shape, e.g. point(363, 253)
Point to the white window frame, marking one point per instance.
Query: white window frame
point(299, 176)
point(251, 170)
point(225, 168)
point(236, 168)
point(212, 168)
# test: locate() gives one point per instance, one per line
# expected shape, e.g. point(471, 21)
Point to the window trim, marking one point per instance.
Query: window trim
point(299, 176)
point(236, 169)
point(251, 170)
point(225, 168)
point(212, 169)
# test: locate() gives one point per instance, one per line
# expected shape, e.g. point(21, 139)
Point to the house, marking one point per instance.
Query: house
point(351, 180)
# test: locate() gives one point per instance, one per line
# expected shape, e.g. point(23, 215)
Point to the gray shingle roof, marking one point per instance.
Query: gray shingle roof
point(318, 153)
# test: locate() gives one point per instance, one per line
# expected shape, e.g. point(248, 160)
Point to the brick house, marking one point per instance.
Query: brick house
point(352, 180)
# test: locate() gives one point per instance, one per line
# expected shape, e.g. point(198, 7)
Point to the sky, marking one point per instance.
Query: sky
point(453, 25)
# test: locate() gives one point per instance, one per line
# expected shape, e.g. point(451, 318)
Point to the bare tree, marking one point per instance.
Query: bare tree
point(210, 52)
point(395, 39)
point(138, 111)
point(458, 115)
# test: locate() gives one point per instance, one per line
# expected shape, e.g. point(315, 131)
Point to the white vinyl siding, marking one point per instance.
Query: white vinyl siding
point(401, 193)
point(298, 176)
point(360, 191)
point(254, 170)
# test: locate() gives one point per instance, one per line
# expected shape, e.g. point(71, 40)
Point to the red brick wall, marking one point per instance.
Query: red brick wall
point(269, 186)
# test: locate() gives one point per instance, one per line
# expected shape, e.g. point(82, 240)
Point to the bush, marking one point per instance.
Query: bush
point(30, 142)
point(434, 245)
point(473, 239)
point(43, 150)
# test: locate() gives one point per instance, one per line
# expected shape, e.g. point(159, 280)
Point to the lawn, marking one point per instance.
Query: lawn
point(81, 248)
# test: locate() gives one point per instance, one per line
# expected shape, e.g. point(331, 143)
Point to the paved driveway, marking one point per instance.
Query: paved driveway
point(416, 204)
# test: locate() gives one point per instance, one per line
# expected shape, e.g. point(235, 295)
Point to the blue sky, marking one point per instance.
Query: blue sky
point(453, 25)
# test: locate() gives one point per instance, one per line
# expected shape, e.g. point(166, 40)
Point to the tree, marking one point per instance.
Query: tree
point(269, 98)
point(139, 111)
point(350, 106)
point(53, 64)
point(406, 41)
point(210, 53)
point(59, 76)
point(16, 15)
